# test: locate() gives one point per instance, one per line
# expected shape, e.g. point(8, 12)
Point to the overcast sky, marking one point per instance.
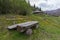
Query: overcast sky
point(46, 4)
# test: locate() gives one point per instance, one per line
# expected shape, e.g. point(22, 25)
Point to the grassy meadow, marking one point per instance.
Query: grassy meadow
point(49, 27)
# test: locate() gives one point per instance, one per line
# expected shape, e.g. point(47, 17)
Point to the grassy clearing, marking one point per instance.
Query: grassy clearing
point(49, 27)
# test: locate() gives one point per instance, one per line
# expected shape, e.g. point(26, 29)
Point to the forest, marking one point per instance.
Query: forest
point(15, 7)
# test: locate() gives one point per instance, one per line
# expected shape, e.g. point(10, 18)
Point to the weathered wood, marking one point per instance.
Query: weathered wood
point(12, 27)
point(27, 25)
point(21, 29)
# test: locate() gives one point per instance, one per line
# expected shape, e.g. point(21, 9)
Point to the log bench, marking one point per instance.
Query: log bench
point(25, 27)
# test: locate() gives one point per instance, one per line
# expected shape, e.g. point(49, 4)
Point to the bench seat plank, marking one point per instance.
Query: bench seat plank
point(26, 24)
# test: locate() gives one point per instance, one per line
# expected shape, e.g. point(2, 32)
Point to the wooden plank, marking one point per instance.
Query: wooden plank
point(12, 27)
point(26, 24)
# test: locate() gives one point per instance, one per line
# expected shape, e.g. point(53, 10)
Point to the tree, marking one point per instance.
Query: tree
point(34, 6)
point(40, 9)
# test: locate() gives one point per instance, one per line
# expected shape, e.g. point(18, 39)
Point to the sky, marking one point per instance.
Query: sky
point(46, 4)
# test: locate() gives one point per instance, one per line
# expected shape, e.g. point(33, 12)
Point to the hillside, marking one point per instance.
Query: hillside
point(49, 27)
point(12, 11)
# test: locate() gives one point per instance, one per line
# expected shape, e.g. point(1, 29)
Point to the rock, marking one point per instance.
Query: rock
point(29, 31)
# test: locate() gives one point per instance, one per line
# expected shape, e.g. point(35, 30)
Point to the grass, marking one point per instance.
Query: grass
point(49, 27)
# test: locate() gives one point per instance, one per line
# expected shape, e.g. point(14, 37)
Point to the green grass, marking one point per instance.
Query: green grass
point(49, 27)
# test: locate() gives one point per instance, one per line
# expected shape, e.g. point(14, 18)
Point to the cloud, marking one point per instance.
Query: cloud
point(46, 4)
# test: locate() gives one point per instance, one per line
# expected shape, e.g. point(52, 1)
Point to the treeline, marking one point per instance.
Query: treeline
point(14, 6)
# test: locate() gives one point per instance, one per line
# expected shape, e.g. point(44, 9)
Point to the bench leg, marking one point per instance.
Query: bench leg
point(37, 26)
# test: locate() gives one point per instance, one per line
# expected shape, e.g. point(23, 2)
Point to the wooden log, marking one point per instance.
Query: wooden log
point(21, 29)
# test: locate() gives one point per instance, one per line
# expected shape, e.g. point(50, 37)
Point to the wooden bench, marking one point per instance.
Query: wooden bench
point(25, 27)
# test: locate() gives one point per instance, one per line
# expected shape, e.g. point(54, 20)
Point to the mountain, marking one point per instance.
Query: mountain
point(53, 12)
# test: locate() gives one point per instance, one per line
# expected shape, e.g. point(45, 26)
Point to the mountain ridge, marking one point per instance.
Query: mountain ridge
point(53, 12)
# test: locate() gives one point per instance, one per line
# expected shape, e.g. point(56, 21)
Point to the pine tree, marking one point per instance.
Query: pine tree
point(40, 9)
point(34, 6)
